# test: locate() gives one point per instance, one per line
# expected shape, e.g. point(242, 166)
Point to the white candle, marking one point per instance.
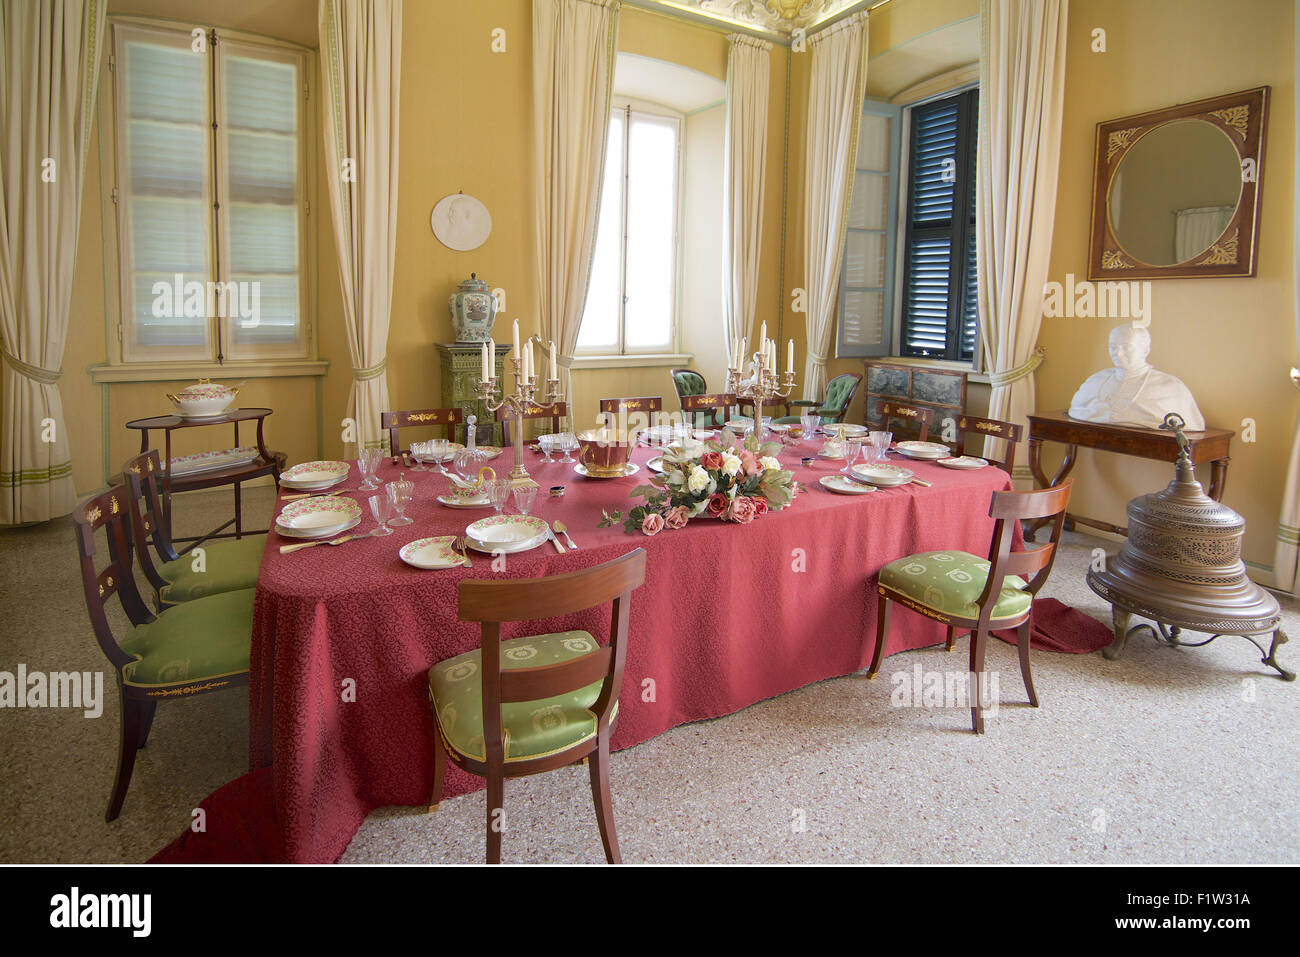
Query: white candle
point(483, 363)
point(528, 351)
point(554, 373)
point(790, 356)
point(744, 344)
point(762, 335)
point(518, 355)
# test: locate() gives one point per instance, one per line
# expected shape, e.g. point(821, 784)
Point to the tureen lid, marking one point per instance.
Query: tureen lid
point(473, 284)
point(203, 389)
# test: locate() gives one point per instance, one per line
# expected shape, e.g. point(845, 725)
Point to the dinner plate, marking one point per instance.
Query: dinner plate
point(313, 476)
point(452, 449)
point(830, 455)
point(661, 434)
point(923, 450)
point(431, 553)
point(319, 532)
point(206, 461)
point(845, 485)
point(506, 530)
point(317, 517)
point(630, 469)
point(963, 462)
point(850, 430)
point(506, 549)
point(884, 475)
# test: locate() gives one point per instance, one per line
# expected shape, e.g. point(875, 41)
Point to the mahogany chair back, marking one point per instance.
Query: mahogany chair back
point(146, 485)
point(716, 402)
point(392, 421)
point(555, 412)
point(1035, 564)
point(971, 428)
point(920, 416)
point(648, 405)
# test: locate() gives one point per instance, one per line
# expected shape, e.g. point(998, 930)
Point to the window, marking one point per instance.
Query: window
point(940, 318)
point(210, 196)
point(632, 294)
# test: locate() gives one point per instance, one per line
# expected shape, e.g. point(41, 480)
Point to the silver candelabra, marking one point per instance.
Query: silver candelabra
point(517, 404)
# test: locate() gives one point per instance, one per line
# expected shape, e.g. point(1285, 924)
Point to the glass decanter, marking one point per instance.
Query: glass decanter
point(468, 461)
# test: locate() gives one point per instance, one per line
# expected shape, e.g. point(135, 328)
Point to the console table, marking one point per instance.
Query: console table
point(267, 463)
point(1208, 446)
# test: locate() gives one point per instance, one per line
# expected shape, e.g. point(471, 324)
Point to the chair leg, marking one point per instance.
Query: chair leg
point(952, 638)
point(439, 768)
point(599, 765)
point(133, 713)
point(496, 820)
point(978, 639)
point(882, 629)
point(150, 710)
point(1022, 641)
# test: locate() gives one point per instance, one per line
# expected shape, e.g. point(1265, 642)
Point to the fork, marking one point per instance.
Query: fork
point(337, 491)
point(460, 546)
point(559, 527)
point(286, 549)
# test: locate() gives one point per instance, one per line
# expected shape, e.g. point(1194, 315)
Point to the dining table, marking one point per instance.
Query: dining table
point(729, 615)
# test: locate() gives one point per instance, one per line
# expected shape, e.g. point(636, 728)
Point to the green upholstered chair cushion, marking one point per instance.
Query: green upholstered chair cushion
point(205, 638)
point(230, 565)
point(531, 729)
point(688, 383)
point(951, 581)
point(837, 394)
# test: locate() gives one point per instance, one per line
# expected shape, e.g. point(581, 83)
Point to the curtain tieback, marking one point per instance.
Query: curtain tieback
point(817, 358)
point(1000, 379)
point(43, 376)
point(373, 372)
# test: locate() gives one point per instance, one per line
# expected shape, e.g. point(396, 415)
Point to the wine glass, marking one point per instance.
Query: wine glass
point(547, 443)
point(809, 423)
point(880, 442)
point(420, 452)
point(381, 507)
point(525, 496)
point(439, 449)
point(367, 465)
point(852, 449)
point(498, 491)
point(400, 494)
point(568, 443)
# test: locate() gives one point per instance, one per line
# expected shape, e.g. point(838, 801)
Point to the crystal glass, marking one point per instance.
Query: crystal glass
point(852, 449)
point(400, 494)
point(880, 442)
point(809, 423)
point(381, 507)
point(498, 491)
point(420, 451)
point(439, 449)
point(547, 443)
point(367, 465)
point(525, 496)
point(568, 443)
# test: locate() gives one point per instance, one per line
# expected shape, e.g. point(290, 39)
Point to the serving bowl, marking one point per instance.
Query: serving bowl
point(603, 452)
point(203, 400)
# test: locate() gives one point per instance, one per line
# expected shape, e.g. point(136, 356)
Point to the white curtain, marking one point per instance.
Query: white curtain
point(361, 57)
point(1286, 554)
point(49, 68)
point(836, 88)
point(749, 74)
point(1022, 84)
point(573, 77)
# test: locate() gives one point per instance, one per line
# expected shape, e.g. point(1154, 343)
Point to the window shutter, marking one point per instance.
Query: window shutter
point(865, 326)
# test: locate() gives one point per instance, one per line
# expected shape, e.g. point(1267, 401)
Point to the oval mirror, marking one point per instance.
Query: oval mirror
point(1175, 192)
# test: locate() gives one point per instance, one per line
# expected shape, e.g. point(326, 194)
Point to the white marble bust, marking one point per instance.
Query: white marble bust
point(1133, 393)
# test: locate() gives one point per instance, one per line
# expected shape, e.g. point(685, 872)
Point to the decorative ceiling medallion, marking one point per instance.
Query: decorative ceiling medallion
point(774, 17)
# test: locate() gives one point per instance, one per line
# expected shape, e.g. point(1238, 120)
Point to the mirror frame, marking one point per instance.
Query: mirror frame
point(1242, 117)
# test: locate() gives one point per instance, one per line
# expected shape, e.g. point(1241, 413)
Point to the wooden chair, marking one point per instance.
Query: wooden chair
point(718, 404)
point(970, 427)
point(223, 566)
point(392, 421)
point(197, 647)
point(484, 701)
point(647, 404)
point(923, 417)
point(839, 396)
point(689, 383)
point(963, 591)
point(555, 412)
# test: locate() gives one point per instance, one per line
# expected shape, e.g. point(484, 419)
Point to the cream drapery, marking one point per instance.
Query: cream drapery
point(749, 73)
point(836, 87)
point(49, 69)
point(1286, 553)
point(361, 56)
point(1022, 84)
point(573, 77)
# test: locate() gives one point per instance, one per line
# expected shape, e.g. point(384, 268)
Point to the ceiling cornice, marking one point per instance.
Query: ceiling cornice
point(771, 19)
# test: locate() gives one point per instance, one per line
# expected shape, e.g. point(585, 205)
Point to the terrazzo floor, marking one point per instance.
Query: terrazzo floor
point(1175, 756)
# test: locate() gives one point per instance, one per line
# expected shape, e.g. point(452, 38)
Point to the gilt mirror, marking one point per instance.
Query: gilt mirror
point(1175, 192)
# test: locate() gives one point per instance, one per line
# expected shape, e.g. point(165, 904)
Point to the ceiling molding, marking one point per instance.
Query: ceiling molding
point(774, 20)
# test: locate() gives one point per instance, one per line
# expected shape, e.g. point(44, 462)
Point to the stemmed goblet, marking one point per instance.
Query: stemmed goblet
point(852, 449)
point(400, 494)
point(498, 491)
point(525, 496)
point(367, 465)
point(381, 507)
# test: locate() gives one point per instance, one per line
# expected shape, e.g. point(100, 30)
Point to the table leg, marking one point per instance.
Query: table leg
point(1119, 620)
point(1218, 478)
point(1041, 480)
point(239, 523)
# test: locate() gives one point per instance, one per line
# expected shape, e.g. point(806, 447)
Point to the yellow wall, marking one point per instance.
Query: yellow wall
point(1230, 340)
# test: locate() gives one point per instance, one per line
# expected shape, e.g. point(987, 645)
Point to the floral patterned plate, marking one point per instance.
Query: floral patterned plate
point(313, 476)
point(465, 501)
point(885, 475)
point(924, 450)
point(963, 462)
point(506, 530)
point(432, 553)
point(203, 461)
point(845, 485)
point(317, 517)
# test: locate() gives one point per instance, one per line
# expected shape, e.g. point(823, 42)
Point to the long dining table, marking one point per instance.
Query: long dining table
point(729, 615)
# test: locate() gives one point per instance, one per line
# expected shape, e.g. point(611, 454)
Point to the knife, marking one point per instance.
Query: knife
point(554, 541)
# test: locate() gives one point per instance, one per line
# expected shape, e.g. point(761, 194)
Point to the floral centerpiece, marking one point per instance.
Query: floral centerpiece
point(724, 479)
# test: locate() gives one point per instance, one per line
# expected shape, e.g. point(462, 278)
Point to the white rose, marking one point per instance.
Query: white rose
point(730, 463)
point(769, 463)
point(699, 479)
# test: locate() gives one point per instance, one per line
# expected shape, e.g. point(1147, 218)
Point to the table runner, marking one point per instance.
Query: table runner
point(729, 615)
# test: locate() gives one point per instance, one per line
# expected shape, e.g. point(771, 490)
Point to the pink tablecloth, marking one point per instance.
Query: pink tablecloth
point(729, 615)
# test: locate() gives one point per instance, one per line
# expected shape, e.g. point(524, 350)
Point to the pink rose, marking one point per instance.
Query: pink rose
point(760, 506)
point(652, 524)
point(742, 510)
point(749, 463)
point(711, 461)
point(676, 517)
point(717, 504)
